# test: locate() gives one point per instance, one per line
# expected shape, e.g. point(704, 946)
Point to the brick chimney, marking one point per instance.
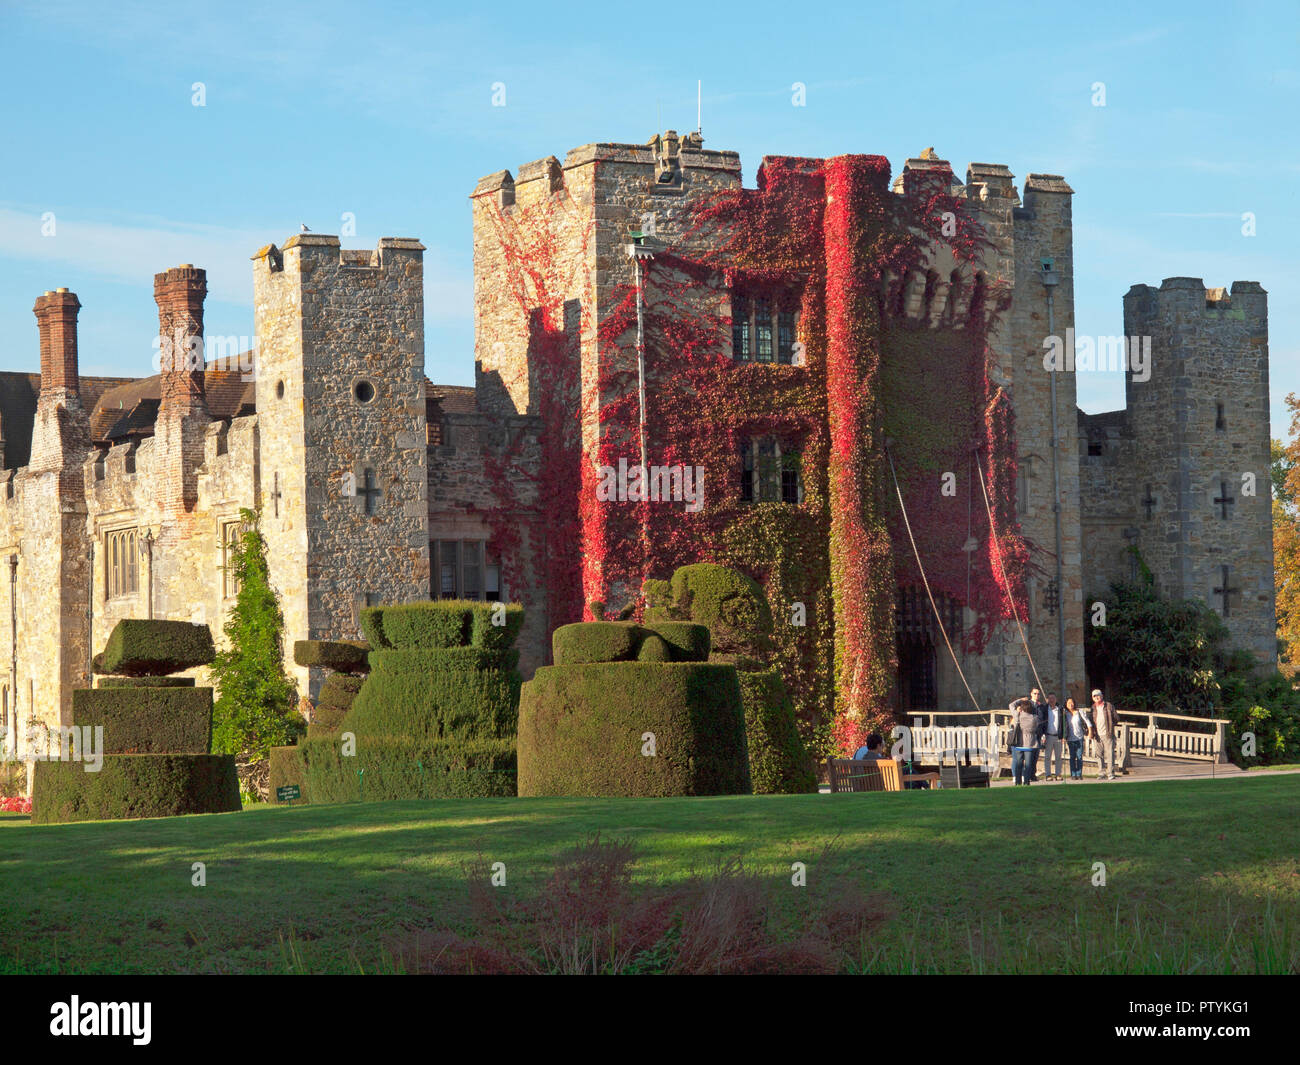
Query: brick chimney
point(56, 315)
point(179, 293)
point(181, 425)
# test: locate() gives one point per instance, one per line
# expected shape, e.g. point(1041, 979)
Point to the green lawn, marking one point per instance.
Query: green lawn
point(1202, 876)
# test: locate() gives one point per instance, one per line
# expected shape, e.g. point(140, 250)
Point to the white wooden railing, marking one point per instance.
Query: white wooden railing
point(973, 731)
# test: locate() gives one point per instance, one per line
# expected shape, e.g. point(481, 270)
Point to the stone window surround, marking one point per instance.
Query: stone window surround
point(119, 584)
point(228, 527)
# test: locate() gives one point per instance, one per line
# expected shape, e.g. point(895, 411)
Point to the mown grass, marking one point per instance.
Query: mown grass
point(1200, 876)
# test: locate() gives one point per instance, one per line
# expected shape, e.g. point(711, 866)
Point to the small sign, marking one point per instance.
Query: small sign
point(287, 793)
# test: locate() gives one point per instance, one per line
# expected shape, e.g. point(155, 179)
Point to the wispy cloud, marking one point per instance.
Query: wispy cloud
point(133, 251)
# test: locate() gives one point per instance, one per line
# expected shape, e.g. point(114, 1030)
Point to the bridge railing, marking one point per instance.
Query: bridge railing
point(1195, 738)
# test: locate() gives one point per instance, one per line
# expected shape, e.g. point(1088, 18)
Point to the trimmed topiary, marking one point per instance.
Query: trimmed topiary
point(287, 767)
point(343, 656)
point(137, 647)
point(689, 642)
point(487, 634)
point(147, 720)
point(437, 623)
point(654, 648)
point(134, 785)
point(731, 604)
point(596, 641)
point(372, 626)
point(438, 694)
point(144, 682)
point(407, 769)
point(327, 719)
point(778, 762)
point(582, 730)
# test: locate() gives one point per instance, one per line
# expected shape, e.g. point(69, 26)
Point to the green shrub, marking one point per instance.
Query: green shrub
point(654, 648)
point(144, 682)
point(137, 647)
point(732, 605)
point(657, 593)
point(148, 720)
point(596, 641)
point(398, 768)
point(287, 767)
point(433, 624)
point(483, 633)
point(256, 702)
point(581, 730)
point(339, 689)
point(372, 626)
point(134, 785)
point(778, 762)
point(435, 695)
point(689, 642)
point(344, 656)
point(326, 720)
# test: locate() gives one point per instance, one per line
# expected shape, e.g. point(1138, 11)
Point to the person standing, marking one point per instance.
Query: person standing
point(1077, 728)
point(1040, 712)
point(1024, 751)
point(1105, 724)
point(1053, 734)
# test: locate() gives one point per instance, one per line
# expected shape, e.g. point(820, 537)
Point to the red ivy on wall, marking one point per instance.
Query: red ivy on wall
point(830, 234)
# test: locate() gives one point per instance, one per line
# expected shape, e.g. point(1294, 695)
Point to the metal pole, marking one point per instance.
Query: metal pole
point(90, 618)
point(640, 363)
point(1056, 504)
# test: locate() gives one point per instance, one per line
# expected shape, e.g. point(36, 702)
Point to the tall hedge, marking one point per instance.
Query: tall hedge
point(147, 720)
point(134, 785)
point(735, 610)
point(582, 730)
point(778, 762)
point(344, 656)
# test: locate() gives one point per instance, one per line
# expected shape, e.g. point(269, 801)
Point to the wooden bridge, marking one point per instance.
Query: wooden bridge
point(1143, 742)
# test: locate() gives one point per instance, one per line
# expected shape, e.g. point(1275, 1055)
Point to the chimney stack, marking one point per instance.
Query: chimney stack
point(56, 316)
point(179, 293)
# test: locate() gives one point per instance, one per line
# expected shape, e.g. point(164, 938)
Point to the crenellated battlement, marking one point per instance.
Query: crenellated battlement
point(1146, 306)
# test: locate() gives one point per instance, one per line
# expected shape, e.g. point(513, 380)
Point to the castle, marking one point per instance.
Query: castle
point(635, 304)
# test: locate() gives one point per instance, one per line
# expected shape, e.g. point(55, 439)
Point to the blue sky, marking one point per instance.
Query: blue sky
point(385, 111)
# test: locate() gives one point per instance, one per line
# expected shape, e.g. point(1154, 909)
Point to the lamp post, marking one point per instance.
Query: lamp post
point(638, 252)
point(1050, 280)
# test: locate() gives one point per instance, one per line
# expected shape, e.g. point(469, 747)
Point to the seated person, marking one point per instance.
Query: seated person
point(873, 751)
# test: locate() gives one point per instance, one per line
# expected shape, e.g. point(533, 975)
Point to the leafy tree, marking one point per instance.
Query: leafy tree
point(1285, 471)
point(1153, 654)
point(255, 698)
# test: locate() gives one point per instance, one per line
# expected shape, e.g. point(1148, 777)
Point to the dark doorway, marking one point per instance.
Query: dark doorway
point(916, 660)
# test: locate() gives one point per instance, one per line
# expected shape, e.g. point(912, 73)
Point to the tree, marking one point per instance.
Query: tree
point(256, 699)
point(1285, 473)
point(1153, 654)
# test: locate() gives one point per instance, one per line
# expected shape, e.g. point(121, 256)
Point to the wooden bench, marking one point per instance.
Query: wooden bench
point(846, 774)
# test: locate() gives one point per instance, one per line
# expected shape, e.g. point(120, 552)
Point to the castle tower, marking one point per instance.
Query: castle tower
point(342, 456)
point(1200, 423)
point(53, 571)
